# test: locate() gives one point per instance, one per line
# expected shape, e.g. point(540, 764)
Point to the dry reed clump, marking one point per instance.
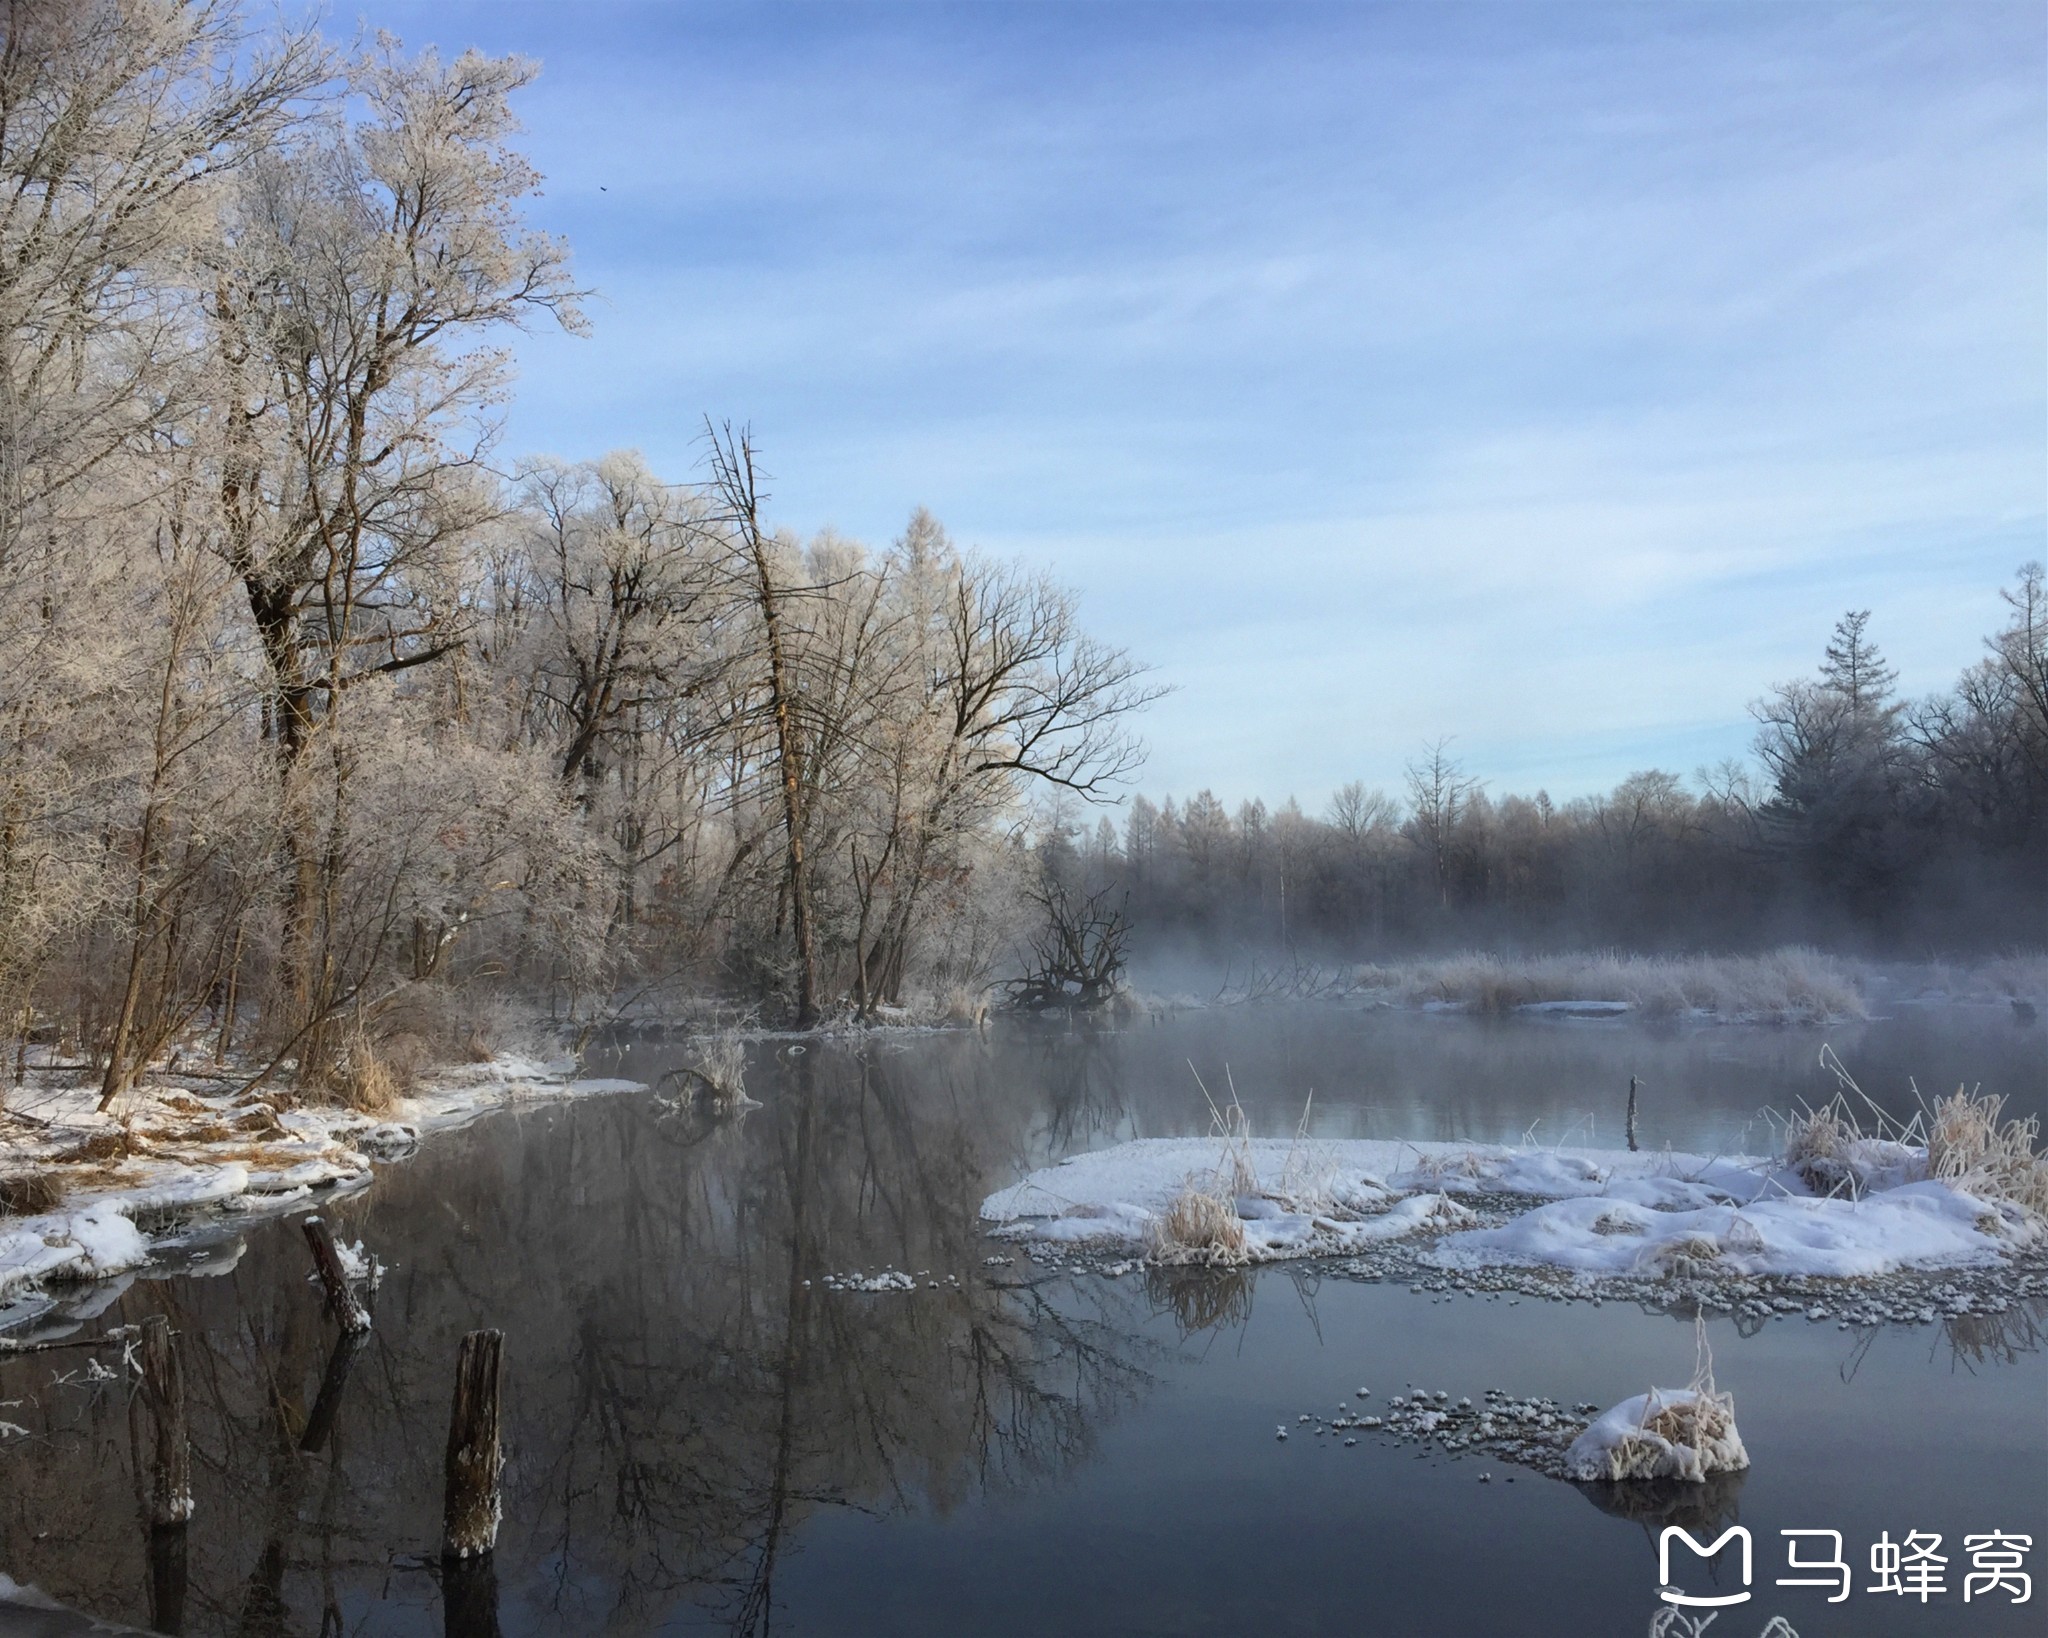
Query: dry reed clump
point(1703, 1421)
point(1308, 1184)
point(28, 1194)
point(1200, 1225)
point(1817, 1146)
point(716, 1071)
point(1700, 1421)
point(964, 1004)
point(365, 1080)
point(114, 1143)
point(1689, 1434)
point(1684, 1256)
point(1962, 1140)
point(1308, 1177)
point(259, 1118)
point(1971, 1149)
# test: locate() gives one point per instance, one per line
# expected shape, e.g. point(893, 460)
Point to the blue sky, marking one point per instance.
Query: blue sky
point(1549, 376)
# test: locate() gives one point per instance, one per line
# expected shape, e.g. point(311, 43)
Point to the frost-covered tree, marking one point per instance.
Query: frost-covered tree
point(1832, 749)
point(121, 123)
point(358, 289)
point(1438, 791)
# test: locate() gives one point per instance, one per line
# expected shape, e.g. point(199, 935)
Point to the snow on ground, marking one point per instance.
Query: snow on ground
point(78, 1245)
point(1602, 1212)
point(170, 1160)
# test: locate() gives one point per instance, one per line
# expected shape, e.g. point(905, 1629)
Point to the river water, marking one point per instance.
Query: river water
point(702, 1438)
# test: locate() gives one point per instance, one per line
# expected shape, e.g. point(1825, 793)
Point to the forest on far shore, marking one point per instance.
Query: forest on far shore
point(1867, 824)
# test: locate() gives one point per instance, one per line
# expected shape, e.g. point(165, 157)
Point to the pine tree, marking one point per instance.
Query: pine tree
point(1853, 668)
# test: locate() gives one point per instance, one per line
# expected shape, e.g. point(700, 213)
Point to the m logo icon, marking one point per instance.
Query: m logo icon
point(1670, 1594)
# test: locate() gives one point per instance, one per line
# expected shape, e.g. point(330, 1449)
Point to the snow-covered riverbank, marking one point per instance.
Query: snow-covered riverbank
point(107, 1191)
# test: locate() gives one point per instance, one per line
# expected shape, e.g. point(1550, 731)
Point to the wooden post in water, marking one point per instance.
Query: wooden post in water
point(342, 1301)
point(1631, 1114)
point(163, 1391)
point(470, 1513)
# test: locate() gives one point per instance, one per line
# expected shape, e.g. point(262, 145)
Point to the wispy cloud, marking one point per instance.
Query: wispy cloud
point(1550, 376)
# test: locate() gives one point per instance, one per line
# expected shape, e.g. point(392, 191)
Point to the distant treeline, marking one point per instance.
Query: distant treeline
point(1867, 822)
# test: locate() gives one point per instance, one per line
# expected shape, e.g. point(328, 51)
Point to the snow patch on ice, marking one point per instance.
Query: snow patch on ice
point(86, 1244)
point(1918, 1225)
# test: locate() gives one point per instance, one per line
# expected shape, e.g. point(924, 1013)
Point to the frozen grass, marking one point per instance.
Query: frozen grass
point(1970, 1148)
point(1962, 1140)
point(367, 1081)
point(1226, 1215)
point(1817, 1139)
point(1668, 1433)
point(28, 1194)
point(1794, 984)
point(1200, 1224)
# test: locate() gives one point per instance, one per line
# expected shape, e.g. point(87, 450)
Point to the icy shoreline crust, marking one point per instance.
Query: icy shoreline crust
point(174, 1180)
point(1603, 1211)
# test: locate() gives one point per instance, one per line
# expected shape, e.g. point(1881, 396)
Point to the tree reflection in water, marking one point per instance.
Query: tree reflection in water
point(682, 1391)
point(686, 1399)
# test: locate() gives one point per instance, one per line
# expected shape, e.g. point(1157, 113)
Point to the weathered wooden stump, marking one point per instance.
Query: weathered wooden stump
point(469, 1519)
point(342, 1301)
point(169, 1497)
